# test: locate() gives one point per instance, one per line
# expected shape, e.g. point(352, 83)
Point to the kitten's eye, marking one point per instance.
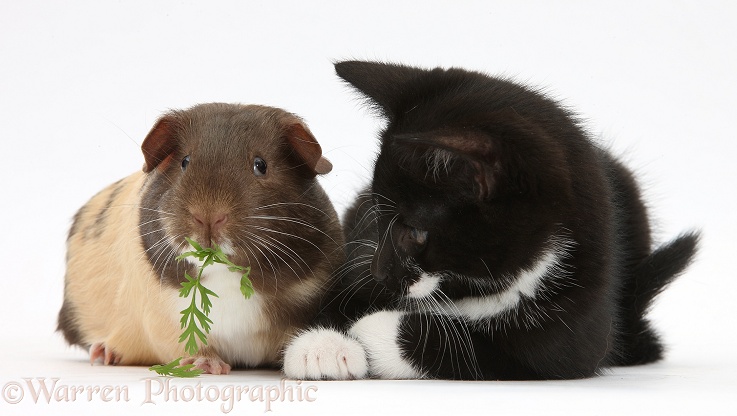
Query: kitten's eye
point(420, 236)
point(259, 167)
point(185, 162)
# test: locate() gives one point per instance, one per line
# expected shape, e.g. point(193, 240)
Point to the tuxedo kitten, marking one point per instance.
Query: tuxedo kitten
point(496, 241)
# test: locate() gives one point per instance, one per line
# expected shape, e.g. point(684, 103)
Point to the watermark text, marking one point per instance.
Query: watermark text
point(157, 390)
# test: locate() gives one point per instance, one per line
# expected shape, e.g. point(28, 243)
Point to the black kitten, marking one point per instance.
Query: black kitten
point(496, 242)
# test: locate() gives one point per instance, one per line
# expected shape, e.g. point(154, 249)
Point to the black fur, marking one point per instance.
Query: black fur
point(478, 179)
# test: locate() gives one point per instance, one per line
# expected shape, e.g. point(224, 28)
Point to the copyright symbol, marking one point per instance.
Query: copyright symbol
point(12, 392)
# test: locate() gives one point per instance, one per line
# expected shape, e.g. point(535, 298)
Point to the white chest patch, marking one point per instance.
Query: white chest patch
point(526, 284)
point(424, 286)
point(238, 323)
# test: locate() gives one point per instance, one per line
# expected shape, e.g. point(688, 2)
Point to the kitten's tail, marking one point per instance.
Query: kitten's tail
point(639, 343)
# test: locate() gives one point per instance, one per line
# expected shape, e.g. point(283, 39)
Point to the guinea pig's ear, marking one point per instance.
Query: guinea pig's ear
point(160, 142)
point(308, 149)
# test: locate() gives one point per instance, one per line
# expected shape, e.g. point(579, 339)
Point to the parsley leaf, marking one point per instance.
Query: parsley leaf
point(195, 321)
point(173, 369)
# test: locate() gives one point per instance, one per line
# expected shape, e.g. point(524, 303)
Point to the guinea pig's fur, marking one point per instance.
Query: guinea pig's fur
point(243, 177)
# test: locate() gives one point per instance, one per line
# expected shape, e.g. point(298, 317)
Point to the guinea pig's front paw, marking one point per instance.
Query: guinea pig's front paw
point(380, 333)
point(98, 350)
point(208, 364)
point(323, 353)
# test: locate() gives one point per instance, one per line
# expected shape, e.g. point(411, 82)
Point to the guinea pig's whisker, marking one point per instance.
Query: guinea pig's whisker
point(258, 245)
point(271, 243)
point(154, 248)
point(301, 204)
point(292, 220)
point(158, 230)
point(294, 255)
point(269, 230)
point(162, 251)
point(158, 211)
point(161, 242)
point(244, 243)
point(141, 225)
point(271, 247)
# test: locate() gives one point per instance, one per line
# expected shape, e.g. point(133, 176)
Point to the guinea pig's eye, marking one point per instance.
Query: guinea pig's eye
point(185, 162)
point(259, 167)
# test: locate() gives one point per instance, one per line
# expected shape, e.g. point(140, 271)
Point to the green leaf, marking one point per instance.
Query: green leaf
point(195, 322)
point(215, 248)
point(173, 369)
point(191, 334)
point(246, 284)
point(185, 255)
point(201, 317)
point(194, 244)
point(187, 286)
point(205, 293)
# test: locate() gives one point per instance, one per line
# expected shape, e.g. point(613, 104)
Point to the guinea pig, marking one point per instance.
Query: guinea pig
point(240, 176)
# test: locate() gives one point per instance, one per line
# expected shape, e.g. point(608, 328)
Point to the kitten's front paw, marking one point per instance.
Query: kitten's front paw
point(380, 334)
point(322, 353)
point(210, 365)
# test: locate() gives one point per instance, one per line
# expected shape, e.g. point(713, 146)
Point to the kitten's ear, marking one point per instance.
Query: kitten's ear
point(504, 155)
point(474, 149)
point(380, 82)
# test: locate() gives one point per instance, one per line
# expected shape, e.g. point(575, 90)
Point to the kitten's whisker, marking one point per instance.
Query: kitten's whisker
point(384, 197)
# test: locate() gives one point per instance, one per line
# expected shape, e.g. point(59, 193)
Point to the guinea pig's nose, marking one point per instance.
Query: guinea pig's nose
point(211, 223)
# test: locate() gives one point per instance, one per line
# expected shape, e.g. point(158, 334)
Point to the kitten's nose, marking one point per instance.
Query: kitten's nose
point(382, 263)
point(379, 271)
point(387, 269)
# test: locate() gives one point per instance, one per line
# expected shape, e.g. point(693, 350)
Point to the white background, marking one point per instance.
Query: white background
point(81, 83)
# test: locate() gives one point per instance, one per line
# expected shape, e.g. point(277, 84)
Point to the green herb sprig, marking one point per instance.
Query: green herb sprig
point(173, 369)
point(195, 321)
point(215, 255)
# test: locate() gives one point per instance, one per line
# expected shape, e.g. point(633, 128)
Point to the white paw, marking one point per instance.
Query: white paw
point(322, 353)
point(378, 333)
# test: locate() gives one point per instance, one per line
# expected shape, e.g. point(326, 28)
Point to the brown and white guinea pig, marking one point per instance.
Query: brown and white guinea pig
point(241, 176)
